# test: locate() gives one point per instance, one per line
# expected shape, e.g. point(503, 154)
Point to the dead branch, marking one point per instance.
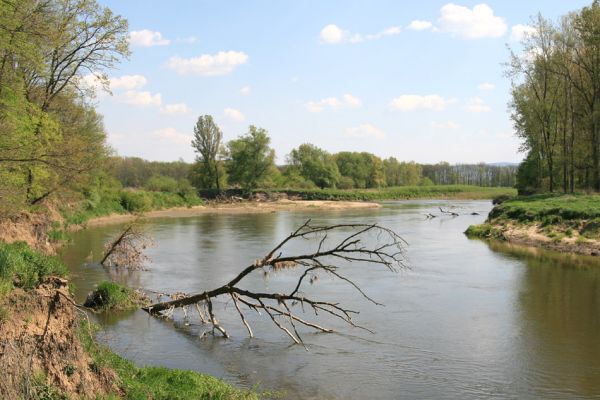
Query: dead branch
point(127, 250)
point(334, 247)
point(452, 213)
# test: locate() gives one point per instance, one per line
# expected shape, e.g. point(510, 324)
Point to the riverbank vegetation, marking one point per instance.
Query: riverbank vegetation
point(563, 222)
point(556, 102)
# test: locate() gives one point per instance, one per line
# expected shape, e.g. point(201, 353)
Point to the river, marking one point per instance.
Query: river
point(468, 320)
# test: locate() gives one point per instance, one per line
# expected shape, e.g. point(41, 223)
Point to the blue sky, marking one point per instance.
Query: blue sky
point(419, 81)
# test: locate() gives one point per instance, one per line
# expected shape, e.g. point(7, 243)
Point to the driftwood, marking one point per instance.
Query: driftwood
point(281, 308)
point(452, 213)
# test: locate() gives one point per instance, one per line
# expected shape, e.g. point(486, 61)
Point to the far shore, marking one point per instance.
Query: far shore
point(244, 207)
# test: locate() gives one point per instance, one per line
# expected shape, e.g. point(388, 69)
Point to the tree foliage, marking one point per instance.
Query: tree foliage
point(316, 165)
point(52, 139)
point(556, 102)
point(251, 159)
point(208, 172)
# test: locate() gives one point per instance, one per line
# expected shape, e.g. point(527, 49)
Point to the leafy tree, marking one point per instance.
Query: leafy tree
point(365, 169)
point(251, 160)
point(316, 165)
point(208, 172)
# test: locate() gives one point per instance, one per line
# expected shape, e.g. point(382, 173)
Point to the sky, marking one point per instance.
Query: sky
point(421, 81)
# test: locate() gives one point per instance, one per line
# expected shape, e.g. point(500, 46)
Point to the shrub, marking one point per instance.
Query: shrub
point(23, 267)
point(161, 183)
point(135, 201)
point(112, 296)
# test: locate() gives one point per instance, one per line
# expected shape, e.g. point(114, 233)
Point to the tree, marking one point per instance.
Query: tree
point(208, 170)
point(332, 249)
point(251, 160)
point(316, 165)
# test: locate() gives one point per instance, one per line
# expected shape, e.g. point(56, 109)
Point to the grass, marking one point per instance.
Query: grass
point(20, 266)
point(390, 193)
point(556, 216)
point(113, 296)
point(158, 383)
point(124, 201)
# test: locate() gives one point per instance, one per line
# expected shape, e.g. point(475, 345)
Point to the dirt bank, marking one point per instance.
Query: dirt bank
point(534, 235)
point(39, 348)
point(245, 207)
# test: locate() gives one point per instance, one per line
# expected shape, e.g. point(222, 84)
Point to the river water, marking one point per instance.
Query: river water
point(468, 320)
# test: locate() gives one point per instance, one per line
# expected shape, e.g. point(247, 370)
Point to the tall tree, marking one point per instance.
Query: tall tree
point(207, 144)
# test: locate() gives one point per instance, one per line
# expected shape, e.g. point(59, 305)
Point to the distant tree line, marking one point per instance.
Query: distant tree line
point(556, 102)
point(249, 162)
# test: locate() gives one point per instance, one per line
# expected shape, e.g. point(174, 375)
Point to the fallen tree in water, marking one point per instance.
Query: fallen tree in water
point(333, 246)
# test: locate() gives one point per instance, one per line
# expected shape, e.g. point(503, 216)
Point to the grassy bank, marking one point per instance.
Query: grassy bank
point(126, 201)
point(157, 383)
point(36, 310)
point(390, 193)
point(563, 222)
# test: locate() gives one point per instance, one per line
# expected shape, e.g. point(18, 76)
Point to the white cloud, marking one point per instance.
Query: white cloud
point(479, 22)
point(187, 40)
point(445, 125)
point(220, 63)
point(394, 30)
point(147, 38)
point(173, 136)
point(333, 103)
point(477, 105)
point(333, 34)
point(233, 114)
point(351, 101)
point(245, 91)
point(412, 102)
point(365, 131)
point(486, 86)
point(419, 25)
point(520, 32)
point(128, 82)
point(176, 108)
point(142, 99)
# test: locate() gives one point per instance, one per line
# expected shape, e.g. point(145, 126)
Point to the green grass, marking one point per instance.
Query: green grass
point(20, 266)
point(557, 216)
point(158, 383)
point(549, 209)
point(126, 201)
point(399, 193)
point(112, 296)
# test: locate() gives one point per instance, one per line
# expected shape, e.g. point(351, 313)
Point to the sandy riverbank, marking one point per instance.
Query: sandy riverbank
point(246, 207)
point(533, 235)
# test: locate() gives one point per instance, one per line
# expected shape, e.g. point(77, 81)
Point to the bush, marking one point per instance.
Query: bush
point(136, 201)
point(21, 266)
point(112, 296)
point(161, 183)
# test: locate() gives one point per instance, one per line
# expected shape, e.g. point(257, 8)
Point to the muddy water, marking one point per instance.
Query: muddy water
point(468, 320)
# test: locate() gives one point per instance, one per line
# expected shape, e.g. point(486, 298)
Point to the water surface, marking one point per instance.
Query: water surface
point(468, 320)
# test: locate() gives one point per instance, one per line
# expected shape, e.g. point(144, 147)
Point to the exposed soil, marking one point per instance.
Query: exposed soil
point(242, 207)
point(31, 228)
point(534, 236)
point(38, 337)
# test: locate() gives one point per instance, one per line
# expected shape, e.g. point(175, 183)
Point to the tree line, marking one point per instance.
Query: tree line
point(556, 102)
point(248, 162)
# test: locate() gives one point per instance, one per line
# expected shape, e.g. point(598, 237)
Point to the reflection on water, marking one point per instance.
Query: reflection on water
point(559, 307)
point(468, 320)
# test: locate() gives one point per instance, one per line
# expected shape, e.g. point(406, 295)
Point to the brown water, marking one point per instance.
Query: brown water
point(469, 320)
